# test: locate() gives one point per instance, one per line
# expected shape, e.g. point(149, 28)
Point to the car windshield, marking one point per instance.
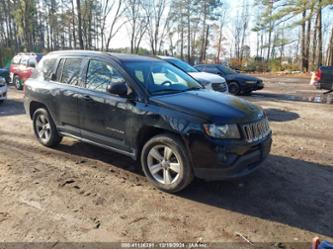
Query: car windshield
point(182, 65)
point(227, 70)
point(161, 77)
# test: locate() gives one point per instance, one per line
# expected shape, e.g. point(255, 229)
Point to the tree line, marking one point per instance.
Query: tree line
point(193, 30)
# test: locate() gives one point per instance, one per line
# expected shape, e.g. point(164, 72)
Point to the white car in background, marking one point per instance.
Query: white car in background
point(3, 90)
point(207, 80)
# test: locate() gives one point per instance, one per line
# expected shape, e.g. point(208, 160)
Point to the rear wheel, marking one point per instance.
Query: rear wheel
point(234, 88)
point(45, 129)
point(166, 164)
point(17, 82)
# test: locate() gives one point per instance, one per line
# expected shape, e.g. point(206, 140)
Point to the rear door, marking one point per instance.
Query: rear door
point(67, 88)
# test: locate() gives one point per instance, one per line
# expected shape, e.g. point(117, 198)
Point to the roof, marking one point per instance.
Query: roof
point(201, 65)
point(117, 56)
point(167, 57)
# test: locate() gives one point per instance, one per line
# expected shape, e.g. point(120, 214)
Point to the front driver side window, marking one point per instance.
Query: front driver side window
point(101, 74)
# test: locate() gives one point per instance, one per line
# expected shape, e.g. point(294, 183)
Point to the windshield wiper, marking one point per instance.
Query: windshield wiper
point(168, 91)
point(193, 88)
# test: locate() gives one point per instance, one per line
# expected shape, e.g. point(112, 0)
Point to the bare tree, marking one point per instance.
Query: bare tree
point(119, 8)
point(320, 35)
point(158, 16)
point(137, 20)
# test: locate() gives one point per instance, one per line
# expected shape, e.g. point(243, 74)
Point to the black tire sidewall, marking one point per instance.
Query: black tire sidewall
point(54, 136)
point(185, 176)
point(236, 85)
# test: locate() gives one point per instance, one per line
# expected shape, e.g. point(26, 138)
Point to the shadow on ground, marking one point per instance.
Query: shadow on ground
point(319, 98)
point(279, 115)
point(11, 107)
point(285, 190)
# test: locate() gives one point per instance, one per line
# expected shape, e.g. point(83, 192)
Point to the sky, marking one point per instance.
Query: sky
point(121, 40)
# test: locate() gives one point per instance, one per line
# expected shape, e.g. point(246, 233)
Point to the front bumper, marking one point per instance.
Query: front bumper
point(252, 87)
point(227, 160)
point(3, 93)
point(324, 86)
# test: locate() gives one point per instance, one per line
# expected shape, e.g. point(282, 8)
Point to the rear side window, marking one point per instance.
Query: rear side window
point(69, 71)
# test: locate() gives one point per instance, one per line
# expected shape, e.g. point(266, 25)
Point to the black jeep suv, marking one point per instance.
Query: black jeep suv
point(149, 110)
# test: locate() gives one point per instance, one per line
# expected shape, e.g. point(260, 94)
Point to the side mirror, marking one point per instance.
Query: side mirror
point(119, 89)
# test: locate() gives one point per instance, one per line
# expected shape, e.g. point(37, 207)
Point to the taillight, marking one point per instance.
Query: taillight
point(318, 75)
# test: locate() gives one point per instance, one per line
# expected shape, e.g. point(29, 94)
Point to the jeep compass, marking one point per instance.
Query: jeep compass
point(149, 110)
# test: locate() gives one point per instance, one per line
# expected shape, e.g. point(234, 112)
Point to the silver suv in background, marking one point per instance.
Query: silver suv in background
point(3, 90)
point(207, 80)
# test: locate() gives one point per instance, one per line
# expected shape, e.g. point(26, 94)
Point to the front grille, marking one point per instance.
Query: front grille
point(256, 131)
point(219, 87)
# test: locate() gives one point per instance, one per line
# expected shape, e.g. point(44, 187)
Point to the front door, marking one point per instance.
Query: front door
point(104, 118)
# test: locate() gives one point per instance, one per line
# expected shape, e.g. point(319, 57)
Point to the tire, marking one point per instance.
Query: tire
point(45, 129)
point(234, 88)
point(1, 101)
point(166, 164)
point(17, 83)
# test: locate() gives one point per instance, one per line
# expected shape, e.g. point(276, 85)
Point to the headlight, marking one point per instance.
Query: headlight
point(250, 82)
point(222, 131)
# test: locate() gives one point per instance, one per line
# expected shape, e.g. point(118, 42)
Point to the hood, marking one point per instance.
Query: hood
point(240, 76)
point(203, 77)
point(212, 106)
point(3, 70)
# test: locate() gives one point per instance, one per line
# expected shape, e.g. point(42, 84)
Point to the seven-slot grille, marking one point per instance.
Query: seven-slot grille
point(256, 131)
point(219, 87)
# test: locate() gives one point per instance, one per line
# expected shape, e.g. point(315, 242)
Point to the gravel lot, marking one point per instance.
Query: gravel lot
point(78, 192)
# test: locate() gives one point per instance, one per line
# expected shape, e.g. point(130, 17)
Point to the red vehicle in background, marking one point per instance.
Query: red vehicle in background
point(22, 66)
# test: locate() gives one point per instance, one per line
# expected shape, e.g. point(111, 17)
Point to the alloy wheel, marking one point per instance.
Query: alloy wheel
point(164, 164)
point(43, 128)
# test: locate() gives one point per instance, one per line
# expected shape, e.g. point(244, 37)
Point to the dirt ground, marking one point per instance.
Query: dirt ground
point(78, 192)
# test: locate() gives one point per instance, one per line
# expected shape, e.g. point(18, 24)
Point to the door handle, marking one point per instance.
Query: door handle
point(87, 98)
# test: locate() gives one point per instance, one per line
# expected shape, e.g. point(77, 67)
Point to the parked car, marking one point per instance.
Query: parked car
point(3, 90)
point(238, 83)
point(4, 73)
point(207, 80)
point(323, 78)
point(149, 110)
point(22, 66)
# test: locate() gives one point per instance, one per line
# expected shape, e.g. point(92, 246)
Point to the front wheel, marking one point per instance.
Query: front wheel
point(45, 129)
point(166, 164)
point(234, 88)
